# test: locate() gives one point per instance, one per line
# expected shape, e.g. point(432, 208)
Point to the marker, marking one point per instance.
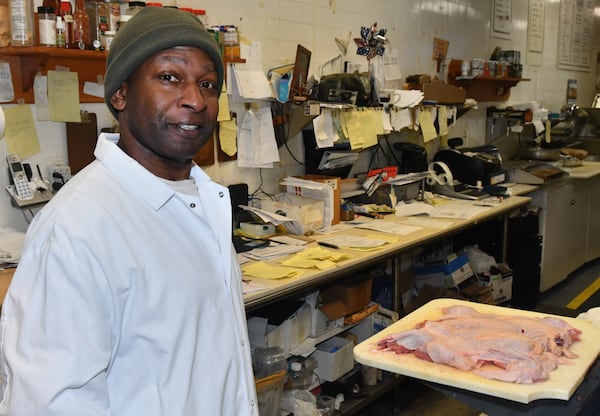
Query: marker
point(324, 244)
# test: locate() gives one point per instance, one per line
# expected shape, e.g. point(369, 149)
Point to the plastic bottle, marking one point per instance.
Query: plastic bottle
point(60, 32)
point(66, 12)
point(109, 35)
point(21, 22)
point(134, 7)
point(81, 27)
point(46, 26)
point(201, 16)
point(296, 380)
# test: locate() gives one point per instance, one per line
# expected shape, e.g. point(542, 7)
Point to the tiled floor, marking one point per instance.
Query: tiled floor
point(412, 398)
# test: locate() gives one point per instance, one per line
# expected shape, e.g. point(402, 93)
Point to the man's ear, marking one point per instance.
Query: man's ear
point(118, 98)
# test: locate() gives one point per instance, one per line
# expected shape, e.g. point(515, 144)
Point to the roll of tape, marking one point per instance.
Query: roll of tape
point(434, 177)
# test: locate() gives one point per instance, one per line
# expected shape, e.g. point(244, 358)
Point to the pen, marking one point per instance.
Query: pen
point(324, 244)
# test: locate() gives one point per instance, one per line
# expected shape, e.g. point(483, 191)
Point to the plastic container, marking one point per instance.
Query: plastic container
point(21, 22)
point(134, 7)
point(267, 361)
point(46, 26)
point(4, 24)
point(269, 391)
point(300, 374)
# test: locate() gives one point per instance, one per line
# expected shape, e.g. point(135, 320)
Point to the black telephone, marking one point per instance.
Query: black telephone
point(21, 190)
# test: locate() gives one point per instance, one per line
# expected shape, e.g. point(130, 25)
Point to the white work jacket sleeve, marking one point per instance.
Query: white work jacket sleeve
point(64, 347)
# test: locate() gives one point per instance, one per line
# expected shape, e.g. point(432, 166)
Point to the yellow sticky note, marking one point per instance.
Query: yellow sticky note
point(63, 96)
point(443, 120)
point(224, 112)
point(21, 134)
point(228, 136)
point(352, 122)
point(427, 127)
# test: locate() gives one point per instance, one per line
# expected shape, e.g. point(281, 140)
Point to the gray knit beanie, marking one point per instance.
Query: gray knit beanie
point(150, 31)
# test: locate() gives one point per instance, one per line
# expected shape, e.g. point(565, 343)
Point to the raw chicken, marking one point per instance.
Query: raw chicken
point(516, 349)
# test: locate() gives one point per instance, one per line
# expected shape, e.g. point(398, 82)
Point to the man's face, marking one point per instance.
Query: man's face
point(168, 106)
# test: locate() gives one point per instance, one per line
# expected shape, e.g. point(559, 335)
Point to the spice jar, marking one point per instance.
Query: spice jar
point(46, 26)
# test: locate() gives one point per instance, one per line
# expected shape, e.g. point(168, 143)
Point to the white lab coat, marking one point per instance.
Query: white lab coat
point(127, 301)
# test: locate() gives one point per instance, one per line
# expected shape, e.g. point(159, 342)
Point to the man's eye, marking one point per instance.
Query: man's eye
point(207, 85)
point(169, 78)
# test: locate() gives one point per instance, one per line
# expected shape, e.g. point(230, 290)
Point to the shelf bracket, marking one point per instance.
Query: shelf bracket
point(30, 66)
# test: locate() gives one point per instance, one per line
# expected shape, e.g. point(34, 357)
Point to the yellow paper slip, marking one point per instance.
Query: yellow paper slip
point(306, 263)
point(318, 253)
point(268, 271)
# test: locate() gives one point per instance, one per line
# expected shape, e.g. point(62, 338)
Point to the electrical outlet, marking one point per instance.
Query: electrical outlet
point(59, 175)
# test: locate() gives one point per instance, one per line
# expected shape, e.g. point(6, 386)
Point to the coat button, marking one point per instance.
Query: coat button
point(192, 205)
point(221, 194)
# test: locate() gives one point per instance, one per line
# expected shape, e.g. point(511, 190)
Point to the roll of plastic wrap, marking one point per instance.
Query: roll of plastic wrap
point(434, 177)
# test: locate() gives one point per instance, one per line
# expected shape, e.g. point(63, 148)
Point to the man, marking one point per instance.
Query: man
point(127, 300)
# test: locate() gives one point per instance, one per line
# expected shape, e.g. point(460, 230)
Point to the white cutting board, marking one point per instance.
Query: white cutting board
point(563, 381)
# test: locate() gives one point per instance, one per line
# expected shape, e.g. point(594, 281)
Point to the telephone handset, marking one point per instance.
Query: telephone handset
point(17, 172)
point(24, 193)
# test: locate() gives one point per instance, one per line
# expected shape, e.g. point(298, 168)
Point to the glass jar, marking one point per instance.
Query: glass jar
point(81, 27)
point(231, 43)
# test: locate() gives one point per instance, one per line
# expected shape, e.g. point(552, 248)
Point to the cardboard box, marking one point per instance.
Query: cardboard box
point(264, 331)
point(446, 272)
point(345, 298)
point(307, 211)
point(334, 358)
point(333, 181)
point(320, 323)
point(443, 93)
point(499, 279)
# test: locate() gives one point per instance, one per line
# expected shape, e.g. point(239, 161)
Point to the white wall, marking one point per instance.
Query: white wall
point(279, 25)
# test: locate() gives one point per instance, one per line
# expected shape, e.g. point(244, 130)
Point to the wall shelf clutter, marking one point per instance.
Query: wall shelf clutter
point(481, 88)
point(26, 62)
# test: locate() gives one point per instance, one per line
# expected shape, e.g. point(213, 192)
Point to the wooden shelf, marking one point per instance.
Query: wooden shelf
point(26, 62)
point(481, 88)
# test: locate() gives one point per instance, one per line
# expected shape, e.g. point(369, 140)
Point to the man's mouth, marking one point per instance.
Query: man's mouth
point(188, 127)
